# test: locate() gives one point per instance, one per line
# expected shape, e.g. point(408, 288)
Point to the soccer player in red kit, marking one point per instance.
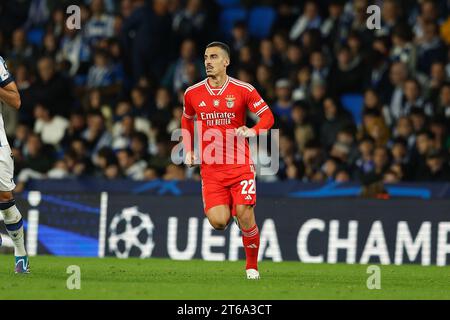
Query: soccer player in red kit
point(220, 103)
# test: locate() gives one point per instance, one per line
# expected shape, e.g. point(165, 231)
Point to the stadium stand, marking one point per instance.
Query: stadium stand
point(350, 102)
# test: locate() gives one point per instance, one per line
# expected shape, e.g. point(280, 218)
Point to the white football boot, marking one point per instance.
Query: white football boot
point(252, 274)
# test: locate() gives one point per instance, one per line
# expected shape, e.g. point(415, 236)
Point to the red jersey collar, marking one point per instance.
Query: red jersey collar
point(211, 91)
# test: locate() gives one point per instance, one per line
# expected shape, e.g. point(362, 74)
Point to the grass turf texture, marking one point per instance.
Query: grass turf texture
point(111, 278)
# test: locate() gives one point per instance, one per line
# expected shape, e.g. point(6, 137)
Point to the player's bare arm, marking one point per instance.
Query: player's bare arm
point(265, 122)
point(187, 124)
point(9, 94)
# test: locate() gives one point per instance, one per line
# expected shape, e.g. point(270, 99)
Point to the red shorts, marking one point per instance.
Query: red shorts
point(229, 187)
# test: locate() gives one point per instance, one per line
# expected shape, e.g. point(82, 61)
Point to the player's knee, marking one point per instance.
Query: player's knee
point(218, 225)
point(245, 215)
point(219, 217)
point(6, 196)
point(244, 211)
point(10, 213)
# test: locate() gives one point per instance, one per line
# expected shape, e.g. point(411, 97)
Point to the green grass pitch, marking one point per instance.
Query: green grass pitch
point(111, 278)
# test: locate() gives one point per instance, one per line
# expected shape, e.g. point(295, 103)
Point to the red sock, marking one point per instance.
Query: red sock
point(250, 239)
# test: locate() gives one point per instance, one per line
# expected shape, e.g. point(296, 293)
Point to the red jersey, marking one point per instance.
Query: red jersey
point(222, 110)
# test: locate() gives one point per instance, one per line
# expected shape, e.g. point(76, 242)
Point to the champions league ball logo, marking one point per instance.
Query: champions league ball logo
point(131, 234)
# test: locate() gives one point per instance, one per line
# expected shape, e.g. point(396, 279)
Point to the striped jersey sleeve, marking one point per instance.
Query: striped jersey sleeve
point(5, 76)
point(255, 103)
point(188, 109)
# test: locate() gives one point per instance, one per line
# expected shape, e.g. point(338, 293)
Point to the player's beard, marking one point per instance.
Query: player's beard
point(214, 74)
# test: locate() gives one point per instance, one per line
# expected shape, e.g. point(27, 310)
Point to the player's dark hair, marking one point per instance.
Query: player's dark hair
point(221, 45)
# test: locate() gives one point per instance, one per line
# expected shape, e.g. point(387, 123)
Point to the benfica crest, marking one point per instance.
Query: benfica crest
point(230, 101)
point(216, 102)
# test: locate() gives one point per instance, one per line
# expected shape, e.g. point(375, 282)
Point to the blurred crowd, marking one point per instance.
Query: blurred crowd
point(104, 99)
